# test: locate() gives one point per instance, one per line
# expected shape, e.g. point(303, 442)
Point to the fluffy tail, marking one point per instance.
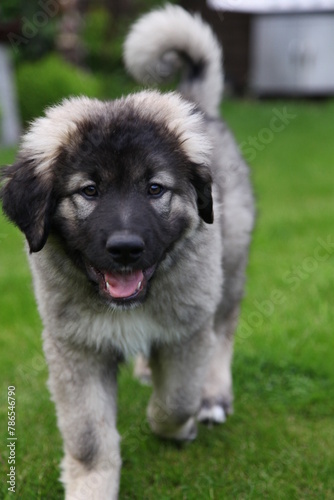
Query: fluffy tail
point(168, 39)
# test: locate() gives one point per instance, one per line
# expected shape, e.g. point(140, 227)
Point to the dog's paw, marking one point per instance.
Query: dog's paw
point(214, 411)
point(188, 432)
point(169, 430)
point(211, 414)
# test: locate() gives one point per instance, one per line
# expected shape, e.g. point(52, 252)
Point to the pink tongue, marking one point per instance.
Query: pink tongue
point(121, 285)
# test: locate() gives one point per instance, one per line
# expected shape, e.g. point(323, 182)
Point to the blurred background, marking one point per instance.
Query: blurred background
point(50, 49)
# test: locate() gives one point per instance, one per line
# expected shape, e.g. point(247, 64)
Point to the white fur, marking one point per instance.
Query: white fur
point(180, 118)
point(151, 46)
point(47, 133)
point(59, 125)
point(214, 413)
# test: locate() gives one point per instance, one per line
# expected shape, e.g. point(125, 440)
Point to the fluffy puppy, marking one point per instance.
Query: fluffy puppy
point(137, 214)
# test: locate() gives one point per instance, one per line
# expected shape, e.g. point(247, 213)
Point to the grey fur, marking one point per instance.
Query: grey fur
point(185, 322)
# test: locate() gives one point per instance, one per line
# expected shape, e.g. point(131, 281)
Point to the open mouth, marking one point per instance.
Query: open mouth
point(121, 286)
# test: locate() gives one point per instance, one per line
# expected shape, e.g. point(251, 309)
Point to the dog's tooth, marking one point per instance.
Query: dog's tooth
point(139, 285)
point(107, 286)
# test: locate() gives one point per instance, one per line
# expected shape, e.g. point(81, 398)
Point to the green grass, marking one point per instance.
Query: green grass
point(279, 443)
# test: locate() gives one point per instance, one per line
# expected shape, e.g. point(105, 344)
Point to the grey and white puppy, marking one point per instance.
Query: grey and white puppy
point(138, 215)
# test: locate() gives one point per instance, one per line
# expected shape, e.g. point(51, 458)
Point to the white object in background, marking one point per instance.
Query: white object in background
point(271, 6)
point(9, 119)
point(292, 54)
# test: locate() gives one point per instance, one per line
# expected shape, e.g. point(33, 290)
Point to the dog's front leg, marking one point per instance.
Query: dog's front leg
point(83, 386)
point(178, 374)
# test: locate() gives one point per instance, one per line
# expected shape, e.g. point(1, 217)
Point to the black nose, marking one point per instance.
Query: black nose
point(125, 248)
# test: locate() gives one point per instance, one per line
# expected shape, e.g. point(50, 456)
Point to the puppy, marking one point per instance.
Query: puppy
point(138, 215)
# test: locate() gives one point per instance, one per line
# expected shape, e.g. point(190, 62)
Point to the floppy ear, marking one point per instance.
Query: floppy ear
point(28, 201)
point(202, 181)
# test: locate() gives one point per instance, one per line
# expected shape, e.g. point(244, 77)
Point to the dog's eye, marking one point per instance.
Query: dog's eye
point(156, 190)
point(89, 191)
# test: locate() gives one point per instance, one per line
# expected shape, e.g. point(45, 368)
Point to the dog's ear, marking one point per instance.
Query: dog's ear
point(202, 181)
point(28, 201)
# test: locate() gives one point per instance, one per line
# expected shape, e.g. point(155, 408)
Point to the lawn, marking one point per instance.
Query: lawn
point(279, 444)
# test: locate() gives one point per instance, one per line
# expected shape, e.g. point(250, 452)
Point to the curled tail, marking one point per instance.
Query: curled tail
point(169, 39)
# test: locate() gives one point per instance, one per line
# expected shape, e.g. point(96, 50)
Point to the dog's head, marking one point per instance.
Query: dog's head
point(118, 183)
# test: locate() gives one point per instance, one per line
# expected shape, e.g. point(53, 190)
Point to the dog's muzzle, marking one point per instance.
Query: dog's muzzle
point(125, 281)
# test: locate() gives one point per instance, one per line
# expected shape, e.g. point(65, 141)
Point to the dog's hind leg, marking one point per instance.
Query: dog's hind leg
point(217, 396)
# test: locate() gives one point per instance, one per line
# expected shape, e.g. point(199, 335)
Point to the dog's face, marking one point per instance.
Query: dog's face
point(119, 184)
